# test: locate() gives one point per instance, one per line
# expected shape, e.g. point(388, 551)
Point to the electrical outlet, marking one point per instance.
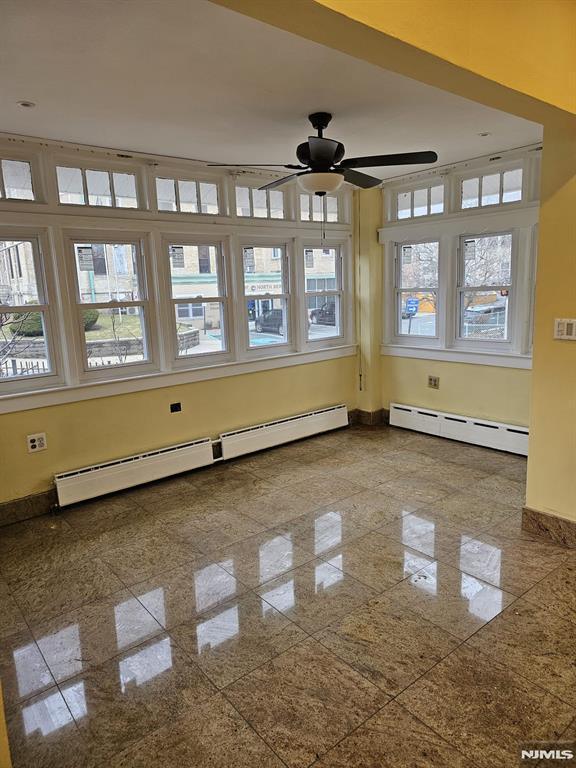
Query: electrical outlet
point(37, 442)
point(434, 382)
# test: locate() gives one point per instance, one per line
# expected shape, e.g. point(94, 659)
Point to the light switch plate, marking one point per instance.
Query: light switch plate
point(565, 328)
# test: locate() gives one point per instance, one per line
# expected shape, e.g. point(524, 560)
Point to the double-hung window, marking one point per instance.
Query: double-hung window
point(323, 293)
point(198, 295)
point(266, 294)
point(25, 338)
point(484, 286)
point(417, 288)
point(111, 304)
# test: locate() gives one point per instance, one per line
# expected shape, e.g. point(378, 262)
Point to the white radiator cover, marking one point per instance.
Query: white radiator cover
point(490, 434)
point(262, 436)
point(86, 483)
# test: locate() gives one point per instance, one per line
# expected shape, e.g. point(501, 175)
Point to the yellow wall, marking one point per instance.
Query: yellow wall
point(97, 430)
point(504, 40)
point(488, 392)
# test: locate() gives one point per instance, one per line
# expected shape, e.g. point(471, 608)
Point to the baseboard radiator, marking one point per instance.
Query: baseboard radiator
point(100, 479)
point(89, 482)
point(490, 434)
point(262, 436)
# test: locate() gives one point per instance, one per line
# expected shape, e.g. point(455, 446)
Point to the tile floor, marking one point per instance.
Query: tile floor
point(362, 599)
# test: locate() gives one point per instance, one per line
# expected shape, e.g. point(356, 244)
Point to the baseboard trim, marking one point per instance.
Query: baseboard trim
point(556, 529)
point(369, 418)
point(27, 507)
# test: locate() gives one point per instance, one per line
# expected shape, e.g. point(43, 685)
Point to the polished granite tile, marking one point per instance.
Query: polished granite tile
point(64, 589)
point(455, 601)
point(122, 700)
point(263, 557)
point(456, 476)
point(235, 529)
point(421, 532)
point(304, 701)
point(536, 643)
point(315, 594)
point(183, 593)
point(499, 487)
point(369, 474)
point(42, 734)
point(484, 709)
point(393, 738)
point(387, 643)
point(104, 514)
point(413, 489)
point(29, 534)
point(23, 671)
point(372, 509)
point(11, 617)
point(236, 637)
point(287, 473)
point(228, 491)
point(378, 561)
point(275, 508)
point(35, 564)
point(322, 530)
point(406, 461)
point(469, 513)
point(513, 565)
point(557, 591)
point(86, 637)
point(325, 489)
point(215, 737)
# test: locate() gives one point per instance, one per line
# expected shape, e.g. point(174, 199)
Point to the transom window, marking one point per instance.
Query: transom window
point(259, 203)
point(24, 321)
point(16, 180)
point(420, 202)
point(316, 208)
point(266, 288)
point(484, 284)
point(323, 276)
point(198, 297)
point(492, 189)
point(111, 304)
point(187, 196)
point(417, 288)
point(86, 186)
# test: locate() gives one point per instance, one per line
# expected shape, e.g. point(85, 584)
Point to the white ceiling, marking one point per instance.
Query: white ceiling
point(187, 78)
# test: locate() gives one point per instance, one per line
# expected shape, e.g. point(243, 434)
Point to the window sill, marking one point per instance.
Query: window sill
point(498, 359)
point(24, 401)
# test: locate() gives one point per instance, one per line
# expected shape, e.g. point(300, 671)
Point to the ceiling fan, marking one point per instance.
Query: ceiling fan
point(324, 168)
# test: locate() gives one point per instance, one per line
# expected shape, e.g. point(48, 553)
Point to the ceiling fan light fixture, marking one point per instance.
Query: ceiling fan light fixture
point(320, 183)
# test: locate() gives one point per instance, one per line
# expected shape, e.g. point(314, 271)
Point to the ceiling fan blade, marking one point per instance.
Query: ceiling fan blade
point(401, 158)
point(324, 152)
point(279, 182)
point(257, 165)
point(360, 179)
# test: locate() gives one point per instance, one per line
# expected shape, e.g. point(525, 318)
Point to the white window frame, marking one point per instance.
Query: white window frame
point(398, 290)
point(486, 170)
point(147, 304)
point(110, 168)
point(175, 175)
point(341, 291)
point(252, 186)
point(411, 189)
point(48, 296)
point(342, 214)
point(33, 161)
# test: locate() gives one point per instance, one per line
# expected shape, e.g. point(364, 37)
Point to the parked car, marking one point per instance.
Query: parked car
point(325, 315)
point(488, 314)
point(271, 321)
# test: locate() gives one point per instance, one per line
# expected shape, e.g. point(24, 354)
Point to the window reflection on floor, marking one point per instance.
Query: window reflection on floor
point(327, 531)
point(327, 574)
point(212, 585)
point(283, 598)
point(275, 557)
point(145, 664)
point(484, 600)
point(217, 630)
point(46, 715)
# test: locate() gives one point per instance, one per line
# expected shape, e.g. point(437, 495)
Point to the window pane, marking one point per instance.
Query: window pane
point(98, 183)
point(437, 199)
point(317, 208)
point(17, 179)
point(166, 194)
point(323, 317)
point(484, 315)
point(267, 321)
point(320, 265)
point(107, 272)
point(260, 203)
point(331, 208)
point(188, 196)
point(18, 284)
point(304, 207)
point(419, 265)
point(276, 204)
point(404, 203)
point(470, 192)
point(487, 260)
point(208, 197)
point(263, 270)
point(491, 189)
point(242, 201)
point(125, 190)
point(114, 336)
point(70, 187)
point(23, 347)
point(417, 312)
point(194, 270)
point(199, 327)
point(512, 186)
point(420, 202)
